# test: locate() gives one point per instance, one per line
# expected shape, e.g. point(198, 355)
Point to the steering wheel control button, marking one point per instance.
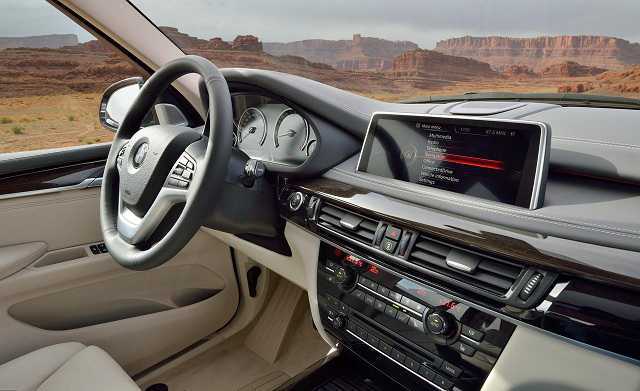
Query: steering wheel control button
point(473, 334)
point(464, 348)
point(295, 201)
point(388, 245)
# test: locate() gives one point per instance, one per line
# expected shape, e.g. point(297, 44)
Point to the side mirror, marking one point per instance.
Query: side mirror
point(116, 101)
point(118, 98)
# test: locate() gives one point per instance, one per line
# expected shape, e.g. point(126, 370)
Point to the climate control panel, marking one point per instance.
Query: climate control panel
point(437, 340)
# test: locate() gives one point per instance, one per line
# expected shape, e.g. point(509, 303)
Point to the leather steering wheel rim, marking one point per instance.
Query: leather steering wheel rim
point(126, 178)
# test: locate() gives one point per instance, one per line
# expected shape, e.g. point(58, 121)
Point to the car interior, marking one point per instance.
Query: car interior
point(211, 226)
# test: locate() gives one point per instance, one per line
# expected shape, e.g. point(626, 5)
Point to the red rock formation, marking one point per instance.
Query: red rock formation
point(184, 41)
point(358, 54)
point(249, 43)
point(431, 64)
point(570, 69)
point(517, 71)
point(538, 53)
point(218, 44)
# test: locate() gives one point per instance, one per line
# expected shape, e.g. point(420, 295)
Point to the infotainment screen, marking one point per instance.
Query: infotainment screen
point(498, 160)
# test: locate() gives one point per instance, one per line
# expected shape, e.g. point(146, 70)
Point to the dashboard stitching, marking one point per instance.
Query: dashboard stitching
point(476, 205)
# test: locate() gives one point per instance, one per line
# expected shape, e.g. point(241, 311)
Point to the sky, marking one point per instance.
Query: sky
point(422, 21)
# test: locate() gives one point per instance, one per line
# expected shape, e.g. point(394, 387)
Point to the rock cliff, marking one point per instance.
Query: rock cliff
point(538, 53)
point(431, 64)
point(358, 54)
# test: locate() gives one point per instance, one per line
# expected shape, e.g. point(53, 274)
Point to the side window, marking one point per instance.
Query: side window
point(52, 75)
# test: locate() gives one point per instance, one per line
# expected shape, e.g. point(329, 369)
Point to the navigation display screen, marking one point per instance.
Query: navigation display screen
point(494, 160)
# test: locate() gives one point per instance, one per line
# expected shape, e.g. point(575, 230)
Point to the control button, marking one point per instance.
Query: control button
point(178, 170)
point(183, 160)
point(474, 334)
point(464, 349)
point(172, 182)
point(412, 364)
point(388, 245)
point(416, 324)
point(393, 233)
point(437, 323)
point(311, 207)
point(183, 184)
point(362, 333)
point(373, 340)
point(94, 249)
point(295, 201)
point(379, 305)
point(344, 276)
point(358, 294)
point(369, 284)
point(351, 326)
point(398, 355)
point(390, 311)
point(190, 165)
point(426, 373)
point(442, 382)
point(332, 301)
point(395, 296)
point(414, 305)
point(187, 175)
point(385, 347)
point(383, 290)
point(450, 369)
point(379, 234)
point(402, 317)
point(369, 300)
point(103, 248)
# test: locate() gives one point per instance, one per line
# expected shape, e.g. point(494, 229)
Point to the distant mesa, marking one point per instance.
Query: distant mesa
point(431, 64)
point(185, 41)
point(541, 52)
point(357, 54)
point(518, 71)
point(50, 41)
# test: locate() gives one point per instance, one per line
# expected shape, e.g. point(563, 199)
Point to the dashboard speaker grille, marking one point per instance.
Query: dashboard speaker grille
point(490, 274)
point(350, 224)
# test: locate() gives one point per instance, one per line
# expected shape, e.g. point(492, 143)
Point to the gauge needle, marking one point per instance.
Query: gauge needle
point(290, 133)
point(251, 130)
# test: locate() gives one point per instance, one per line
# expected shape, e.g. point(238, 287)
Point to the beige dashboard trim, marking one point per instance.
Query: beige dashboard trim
point(537, 361)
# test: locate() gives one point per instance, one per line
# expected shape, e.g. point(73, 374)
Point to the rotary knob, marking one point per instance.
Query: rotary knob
point(338, 322)
point(439, 323)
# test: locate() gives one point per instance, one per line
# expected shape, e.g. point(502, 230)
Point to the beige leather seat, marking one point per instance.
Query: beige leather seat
point(68, 366)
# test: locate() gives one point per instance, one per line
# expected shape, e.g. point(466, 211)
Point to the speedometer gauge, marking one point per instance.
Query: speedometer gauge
point(291, 136)
point(252, 130)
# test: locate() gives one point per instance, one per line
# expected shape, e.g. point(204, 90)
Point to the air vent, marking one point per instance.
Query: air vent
point(489, 274)
point(347, 223)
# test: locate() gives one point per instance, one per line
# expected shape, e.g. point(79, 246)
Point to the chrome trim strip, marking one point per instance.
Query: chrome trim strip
point(545, 135)
point(87, 183)
point(390, 358)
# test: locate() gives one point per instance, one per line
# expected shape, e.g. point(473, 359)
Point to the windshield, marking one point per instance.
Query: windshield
point(403, 49)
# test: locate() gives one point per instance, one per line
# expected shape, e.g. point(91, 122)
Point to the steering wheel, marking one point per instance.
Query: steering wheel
point(161, 181)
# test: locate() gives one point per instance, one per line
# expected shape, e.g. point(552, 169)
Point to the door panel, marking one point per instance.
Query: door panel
point(69, 294)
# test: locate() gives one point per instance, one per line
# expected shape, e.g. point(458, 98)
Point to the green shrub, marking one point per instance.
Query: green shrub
point(71, 118)
point(17, 129)
point(5, 120)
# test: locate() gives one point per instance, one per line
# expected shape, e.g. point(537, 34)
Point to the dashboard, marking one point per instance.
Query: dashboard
point(271, 131)
point(433, 284)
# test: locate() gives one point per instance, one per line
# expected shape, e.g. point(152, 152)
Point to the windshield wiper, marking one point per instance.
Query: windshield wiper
point(581, 100)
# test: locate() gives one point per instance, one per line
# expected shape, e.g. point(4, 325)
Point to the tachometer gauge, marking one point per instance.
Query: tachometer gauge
point(252, 130)
point(291, 137)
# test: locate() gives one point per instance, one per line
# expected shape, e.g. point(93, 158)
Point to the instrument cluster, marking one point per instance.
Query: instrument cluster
point(269, 130)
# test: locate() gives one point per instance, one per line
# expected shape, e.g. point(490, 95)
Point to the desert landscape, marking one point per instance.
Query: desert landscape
point(50, 85)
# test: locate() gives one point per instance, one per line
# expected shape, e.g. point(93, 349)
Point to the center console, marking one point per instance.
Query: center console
point(426, 337)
